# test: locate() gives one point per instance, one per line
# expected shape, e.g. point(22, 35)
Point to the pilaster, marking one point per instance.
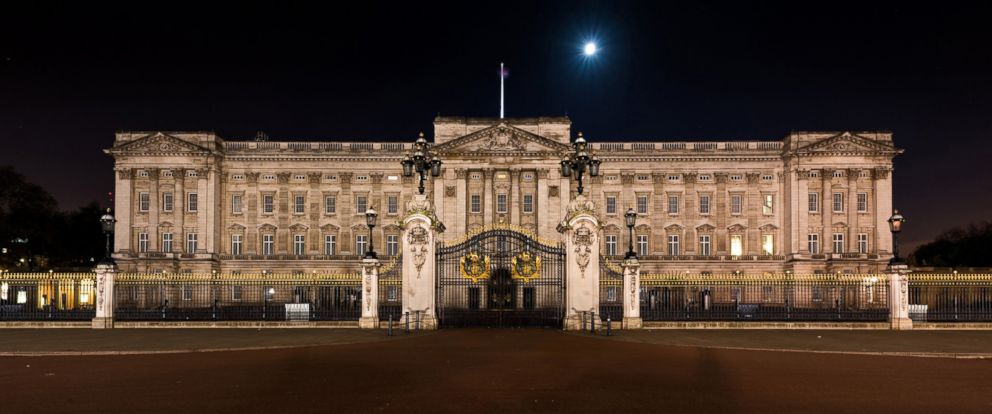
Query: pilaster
point(420, 230)
point(899, 297)
point(631, 294)
point(370, 294)
point(581, 231)
point(105, 274)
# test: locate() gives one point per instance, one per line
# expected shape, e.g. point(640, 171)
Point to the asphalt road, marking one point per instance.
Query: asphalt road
point(506, 371)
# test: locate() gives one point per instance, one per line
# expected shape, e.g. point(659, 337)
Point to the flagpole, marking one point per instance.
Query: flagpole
point(501, 76)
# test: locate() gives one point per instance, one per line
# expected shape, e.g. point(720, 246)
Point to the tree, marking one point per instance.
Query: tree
point(958, 247)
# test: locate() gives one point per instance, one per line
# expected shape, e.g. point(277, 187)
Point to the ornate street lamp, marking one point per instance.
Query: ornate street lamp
point(895, 226)
point(107, 223)
point(422, 161)
point(370, 217)
point(579, 161)
point(630, 217)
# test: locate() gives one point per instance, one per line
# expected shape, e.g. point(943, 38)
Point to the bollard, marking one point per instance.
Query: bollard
point(389, 330)
point(407, 322)
point(609, 325)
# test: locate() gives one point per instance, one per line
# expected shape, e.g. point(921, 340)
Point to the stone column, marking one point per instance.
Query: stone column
point(631, 294)
point(581, 230)
point(801, 212)
point(420, 229)
point(488, 206)
point(105, 273)
point(883, 209)
point(826, 213)
point(122, 209)
point(203, 210)
point(852, 211)
point(899, 297)
point(179, 209)
point(461, 201)
point(513, 204)
point(370, 294)
point(153, 210)
point(542, 205)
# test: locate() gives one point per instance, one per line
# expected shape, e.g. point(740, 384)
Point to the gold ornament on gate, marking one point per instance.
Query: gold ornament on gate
point(474, 267)
point(526, 266)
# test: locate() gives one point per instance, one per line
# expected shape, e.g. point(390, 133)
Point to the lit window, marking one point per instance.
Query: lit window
point(142, 242)
point(476, 203)
point(360, 244)
point(814, 202)
point(813, 243)
point(611, 205)
point(673, 245)
point(736, 204)
point(642, 244)
point(143, 201)
point(235, 244)
point(268, 204)
point(611, 245)
point(330, 242)
point(528, 203)
point(392, 244)
point(767, 244)
point(299, 245)
point(704, 245)
point(236, 204)
point(330, 205)
point(862, 202)
point(736, 245)
point(768, 205)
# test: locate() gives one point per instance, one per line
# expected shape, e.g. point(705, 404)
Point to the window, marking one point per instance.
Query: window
point(392, 205)
point(611, 244)
point(392, 245)
point(704, 245)
point(236, 204)
point(142, 242)
point(814, 202)
point(528, 203)
point(501, 203)
point(611, 293)
point(704, 204)
point(838, 202)
point(862, 202)
point(268, 244)
point(299, 204)
point(705, 177)
point(642, 245)
point(476, 201)
point(190, 243)
point(813, 243)
point(736, 203)
point(673, 204)
point(191, 202)
point(330, 242)
point(642, 204)
point(862, 243)
point(268, 206)
point(330, 205)
point(167, 202)
point(299, 245)
point(673, 245)
point(360, 243)
point(392, 293)
point(736, 178)
point(236, 244)
point(187, 292)
point(767, 244)
point(611, 205)
point(361, 204)
point(736, 245)
point(768, 204)
point(838, 242)
point(166, 242)
point(143, 201)
point(236, 292)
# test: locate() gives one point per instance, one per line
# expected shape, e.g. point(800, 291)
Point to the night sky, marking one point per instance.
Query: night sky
point(72, 76)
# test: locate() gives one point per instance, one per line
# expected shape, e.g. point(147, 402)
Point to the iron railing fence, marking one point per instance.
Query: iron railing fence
point(391, 290)
point(610, 290)
point(766, 297)
point(213, 297)
point(47, 296)
point(950, 297)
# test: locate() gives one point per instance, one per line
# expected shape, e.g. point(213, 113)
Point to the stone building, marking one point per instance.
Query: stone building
point(811, 202)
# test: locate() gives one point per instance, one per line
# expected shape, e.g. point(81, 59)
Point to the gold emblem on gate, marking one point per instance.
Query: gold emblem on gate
point(474, 267)
point(526, 267)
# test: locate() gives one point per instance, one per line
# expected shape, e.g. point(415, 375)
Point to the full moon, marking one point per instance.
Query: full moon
point(589, 49)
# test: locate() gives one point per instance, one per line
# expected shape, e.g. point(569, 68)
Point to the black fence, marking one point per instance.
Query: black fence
point(391, 290)
point(47, 296)
point(862, 298)
point(950, 297)
point(610, 290)
point(237, 297)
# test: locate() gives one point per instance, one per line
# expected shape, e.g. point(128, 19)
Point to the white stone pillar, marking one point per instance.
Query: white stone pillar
point(420, 229)
point(899, 297)
point(631, 294)
point(581, 230)
point(370, 294)
point(105, 273)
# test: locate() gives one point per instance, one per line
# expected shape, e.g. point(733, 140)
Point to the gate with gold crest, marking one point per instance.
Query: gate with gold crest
point(501, 276)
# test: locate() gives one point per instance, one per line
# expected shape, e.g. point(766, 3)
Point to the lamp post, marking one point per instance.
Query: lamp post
point(630, 218)
point(895, 226)
point(579, 161)
point(107, 222)
point(370, 217)
point(421, 160)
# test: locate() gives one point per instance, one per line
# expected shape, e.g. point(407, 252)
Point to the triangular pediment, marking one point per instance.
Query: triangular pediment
point(501, 139)
point(847, 143)
point(159, 143)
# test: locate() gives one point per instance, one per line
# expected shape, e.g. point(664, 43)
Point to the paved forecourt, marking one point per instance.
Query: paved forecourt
point(496, 371)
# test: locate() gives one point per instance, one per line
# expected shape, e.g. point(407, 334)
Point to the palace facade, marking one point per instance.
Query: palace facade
point(811, 202)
